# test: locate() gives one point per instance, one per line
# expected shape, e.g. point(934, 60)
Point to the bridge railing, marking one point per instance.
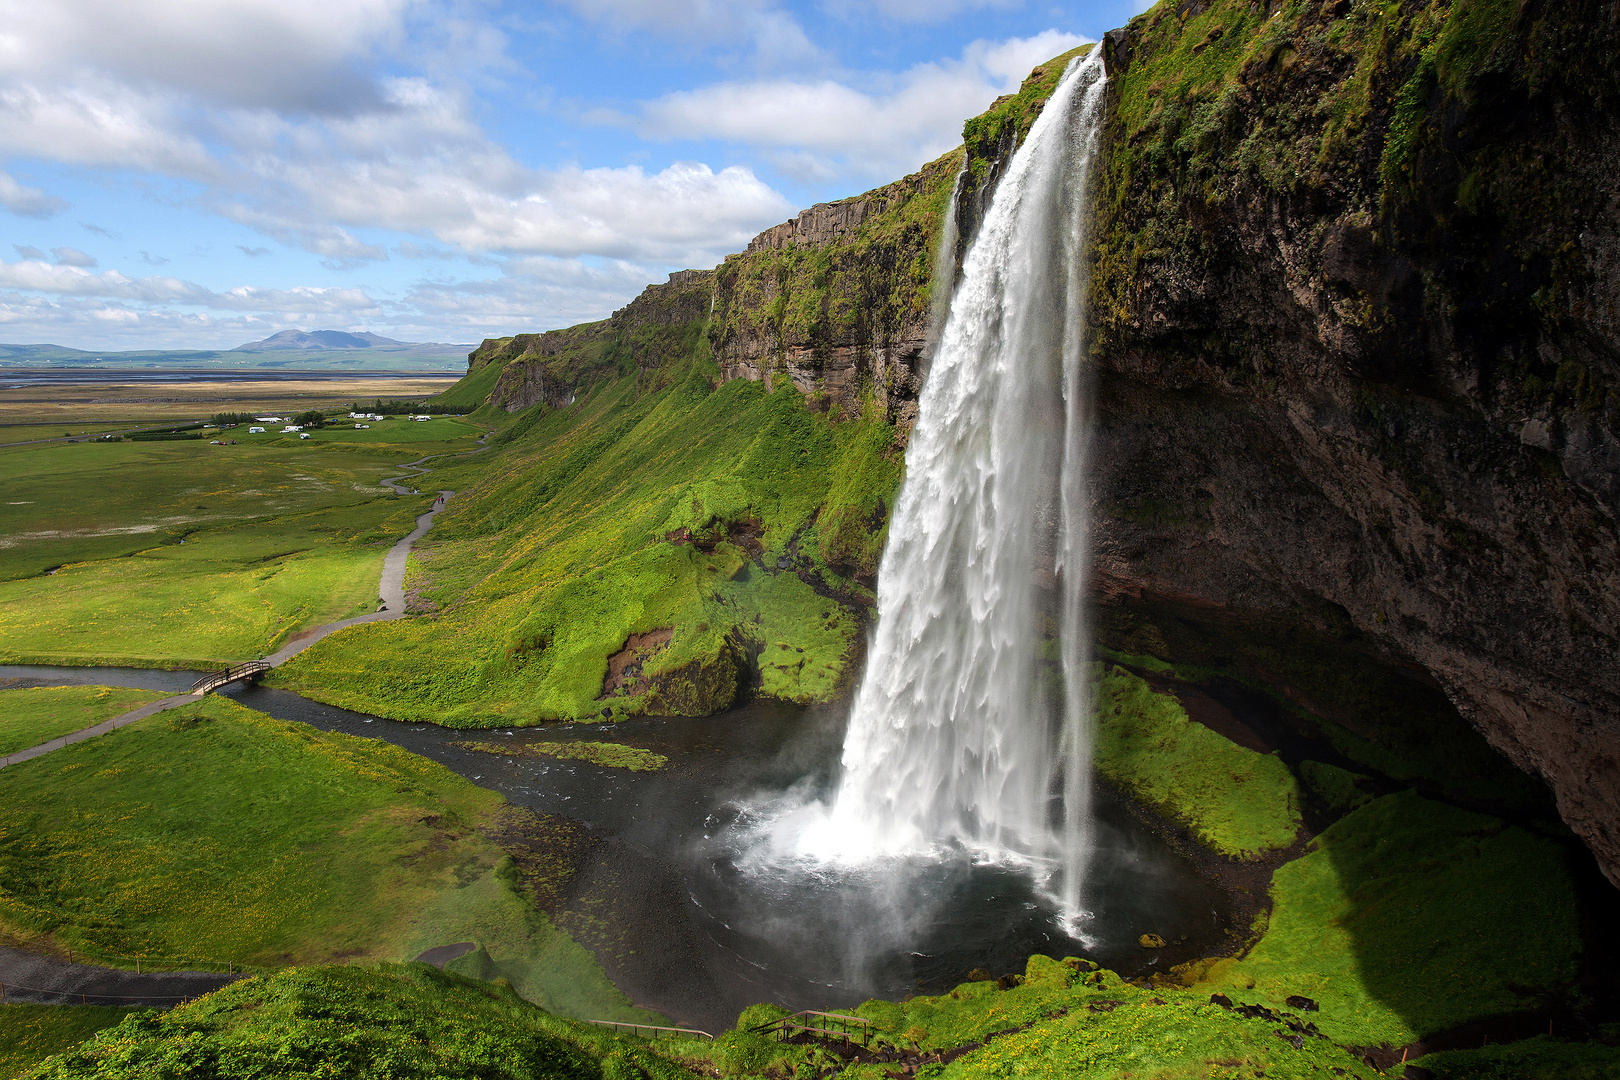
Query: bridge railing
point(637, 1029)
point(229, 675)
point(836, 1026)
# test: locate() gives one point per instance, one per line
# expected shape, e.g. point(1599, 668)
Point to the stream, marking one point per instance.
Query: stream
point(718, 926)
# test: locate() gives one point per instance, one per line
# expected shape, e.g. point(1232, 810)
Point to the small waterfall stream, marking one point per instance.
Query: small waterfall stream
point(960, 736)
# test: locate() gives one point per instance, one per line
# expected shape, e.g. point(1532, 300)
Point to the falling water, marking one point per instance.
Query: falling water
point(956, 738)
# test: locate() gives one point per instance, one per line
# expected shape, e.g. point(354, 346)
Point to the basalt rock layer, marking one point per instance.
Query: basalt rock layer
point(1355, 311)
point(837, 302)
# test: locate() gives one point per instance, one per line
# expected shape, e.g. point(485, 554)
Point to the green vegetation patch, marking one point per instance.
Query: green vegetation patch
point(409, 1022)
point(1409, 917)
point(1334, 687)
point(1059, 1020)
point(1234, 800)
point(31, 1033)
point(989, 136)
point(1540, 1058)
point(226, 594)
point(610, 755)
point(31, 716)
point(72, 503)
point(1336, 788)
point(214, 833)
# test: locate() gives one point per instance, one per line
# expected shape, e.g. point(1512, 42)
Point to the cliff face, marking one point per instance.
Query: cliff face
point(1356, 318)
point(837, 302)
point(664, 321)
point(1355, 309)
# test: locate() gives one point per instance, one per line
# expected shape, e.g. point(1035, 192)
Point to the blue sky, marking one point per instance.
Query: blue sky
point(202, 173)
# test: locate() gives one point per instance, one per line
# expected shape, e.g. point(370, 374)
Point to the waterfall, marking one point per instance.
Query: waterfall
point(957, 737)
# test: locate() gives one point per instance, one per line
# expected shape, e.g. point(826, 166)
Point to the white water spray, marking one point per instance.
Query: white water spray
point(954, 741)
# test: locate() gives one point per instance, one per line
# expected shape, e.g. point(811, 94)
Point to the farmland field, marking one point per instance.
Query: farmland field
point(179, 554)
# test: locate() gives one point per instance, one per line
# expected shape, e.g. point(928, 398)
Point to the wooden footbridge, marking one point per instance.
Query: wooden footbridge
point(239, 673)
point(834, 1027)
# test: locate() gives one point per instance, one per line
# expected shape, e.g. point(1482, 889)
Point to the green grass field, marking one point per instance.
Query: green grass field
point(1234, 800)
point(13, 433)
point(1410, 916)
point(213, 832)
point(608, 755)
point(29, 717)
point(31, 1033)
point(227, 594)
point(449, 433)
point(71, 503)
point(176, 554)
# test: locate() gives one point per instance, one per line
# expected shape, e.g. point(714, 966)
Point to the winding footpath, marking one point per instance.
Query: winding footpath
point(391, 592)
point(51, 980)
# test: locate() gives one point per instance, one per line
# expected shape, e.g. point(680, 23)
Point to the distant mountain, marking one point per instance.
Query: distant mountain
point(320, 339)
point(323, 350)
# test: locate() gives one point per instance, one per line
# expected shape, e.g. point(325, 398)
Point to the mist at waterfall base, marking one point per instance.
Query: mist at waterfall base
point(967, 758)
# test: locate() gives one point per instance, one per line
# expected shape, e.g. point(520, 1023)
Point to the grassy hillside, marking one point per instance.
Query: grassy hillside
point(731, 527)
point(648, 538)
point(31, 1033)
point(408, 1022)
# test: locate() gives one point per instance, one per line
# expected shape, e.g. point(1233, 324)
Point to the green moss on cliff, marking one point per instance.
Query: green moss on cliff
point(1413, 139)
point(994, 134)
point(1236, 801)
point(864, 290)
point(1409, 917)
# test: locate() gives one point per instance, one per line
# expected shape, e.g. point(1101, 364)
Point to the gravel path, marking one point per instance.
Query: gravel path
point(27, 977)
point(391, 590)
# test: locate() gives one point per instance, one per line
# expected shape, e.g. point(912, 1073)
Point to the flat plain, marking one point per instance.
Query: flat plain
point(106, 397)
point(180, 554)
point(30, 716)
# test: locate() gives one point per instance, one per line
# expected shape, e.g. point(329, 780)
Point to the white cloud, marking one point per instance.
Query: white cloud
point(91, 323)
point(66, 256)
point(883, 132)
point(67, 280)
point(567, 291)
point(282, 54)
point(27, 201)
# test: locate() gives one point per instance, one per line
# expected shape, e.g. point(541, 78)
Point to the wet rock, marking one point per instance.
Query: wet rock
point(1150, 941)
point(1542, 434)
point(1304, 1004)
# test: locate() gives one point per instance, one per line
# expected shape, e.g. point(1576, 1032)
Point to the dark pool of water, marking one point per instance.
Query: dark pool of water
point(804, 937)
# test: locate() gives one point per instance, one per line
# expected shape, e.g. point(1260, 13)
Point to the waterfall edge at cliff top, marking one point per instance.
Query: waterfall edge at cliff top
point(961, 737)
